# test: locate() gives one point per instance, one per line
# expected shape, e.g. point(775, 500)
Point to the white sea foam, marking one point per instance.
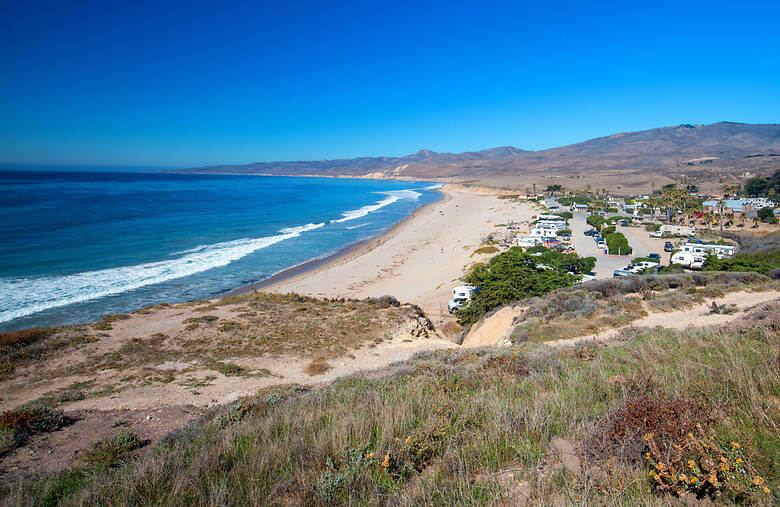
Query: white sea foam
point(24, 296)
point(435, 186)
point(357, 226)
point(392, 196)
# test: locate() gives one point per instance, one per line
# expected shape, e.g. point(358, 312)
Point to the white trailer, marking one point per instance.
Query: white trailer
point(677, 230)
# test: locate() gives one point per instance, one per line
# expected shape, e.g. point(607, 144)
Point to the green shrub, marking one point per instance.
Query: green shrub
point(24, 336)
point(110, 451)
point(618, 244)
point(758, 262)
point(607, 230)
point(595, 221)
point(483, 250)
point(652, 227)
point(767, 215)
point(514, 275)
point(18, 424)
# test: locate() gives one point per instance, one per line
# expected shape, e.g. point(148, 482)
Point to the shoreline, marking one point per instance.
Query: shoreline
point(346, 254)
point(420, 259)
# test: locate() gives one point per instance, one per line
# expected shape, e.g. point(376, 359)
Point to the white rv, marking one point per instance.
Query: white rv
point(529, 241)
point(677, 230)
point(461, 295)
point(697, 248)
point(689, 259)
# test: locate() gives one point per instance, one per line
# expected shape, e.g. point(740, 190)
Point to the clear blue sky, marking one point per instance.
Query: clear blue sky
point(195, 83)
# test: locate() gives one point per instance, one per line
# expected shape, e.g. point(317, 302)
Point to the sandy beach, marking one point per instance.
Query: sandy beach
point(420, 259)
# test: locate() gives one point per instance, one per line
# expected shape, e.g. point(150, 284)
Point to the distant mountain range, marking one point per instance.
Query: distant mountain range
point(660, 154)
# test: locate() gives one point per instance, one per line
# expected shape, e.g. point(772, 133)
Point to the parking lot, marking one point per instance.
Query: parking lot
point(637, 237)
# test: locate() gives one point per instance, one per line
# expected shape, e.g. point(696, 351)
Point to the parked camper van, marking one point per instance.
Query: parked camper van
point(461, 295)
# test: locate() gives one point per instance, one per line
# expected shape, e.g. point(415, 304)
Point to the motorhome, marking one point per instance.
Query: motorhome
point(461, 295)
point(528, 241)
point(677, 230)
point(689, 259)
point(698, 247)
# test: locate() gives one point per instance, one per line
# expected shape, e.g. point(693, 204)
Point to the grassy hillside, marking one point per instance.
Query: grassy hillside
point(591, 424)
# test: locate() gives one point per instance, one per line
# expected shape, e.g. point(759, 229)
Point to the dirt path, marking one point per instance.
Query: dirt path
point(695, 316)
point(493, 330)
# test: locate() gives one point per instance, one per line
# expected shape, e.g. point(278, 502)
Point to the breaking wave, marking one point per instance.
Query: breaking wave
point(24, 296)
point(392, 197)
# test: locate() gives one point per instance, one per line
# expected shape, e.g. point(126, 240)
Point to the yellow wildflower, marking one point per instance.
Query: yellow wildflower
point(758, 481)
point(691, 464)
point(370, 455)
point(693, 480)
point(767, 490)
point(735, 445)
point(739, 460)
point(682, 477)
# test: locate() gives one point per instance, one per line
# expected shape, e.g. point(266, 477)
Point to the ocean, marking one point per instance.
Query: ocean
point(77, 245)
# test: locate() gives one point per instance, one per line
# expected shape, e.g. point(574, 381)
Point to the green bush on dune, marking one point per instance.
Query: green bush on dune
point(514, 275)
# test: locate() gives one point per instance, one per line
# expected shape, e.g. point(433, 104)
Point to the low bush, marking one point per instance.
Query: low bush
point(702, 467)
point(17, 425)
point(595, 221)
point(24, 336)
point(484, 250)
point(317, 366)
point(110, 451)
point(621, 434)
point(757, 262)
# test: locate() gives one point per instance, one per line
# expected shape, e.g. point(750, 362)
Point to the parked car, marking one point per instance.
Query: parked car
point(656, 257)
point(668, 246)
point(656, 234)
point(591, 232)
point(601, 245)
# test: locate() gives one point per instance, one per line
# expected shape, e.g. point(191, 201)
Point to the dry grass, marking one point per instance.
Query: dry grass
point(318, 366)
point(440, 428)
point(605, 304)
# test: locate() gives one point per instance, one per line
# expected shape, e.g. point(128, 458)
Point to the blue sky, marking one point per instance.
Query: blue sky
point(196, 83)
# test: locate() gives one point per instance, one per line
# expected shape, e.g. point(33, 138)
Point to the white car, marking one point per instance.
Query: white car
point(657, 234)
point(601, 245)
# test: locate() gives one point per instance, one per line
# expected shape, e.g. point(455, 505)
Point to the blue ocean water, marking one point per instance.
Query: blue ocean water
point(77, 245)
